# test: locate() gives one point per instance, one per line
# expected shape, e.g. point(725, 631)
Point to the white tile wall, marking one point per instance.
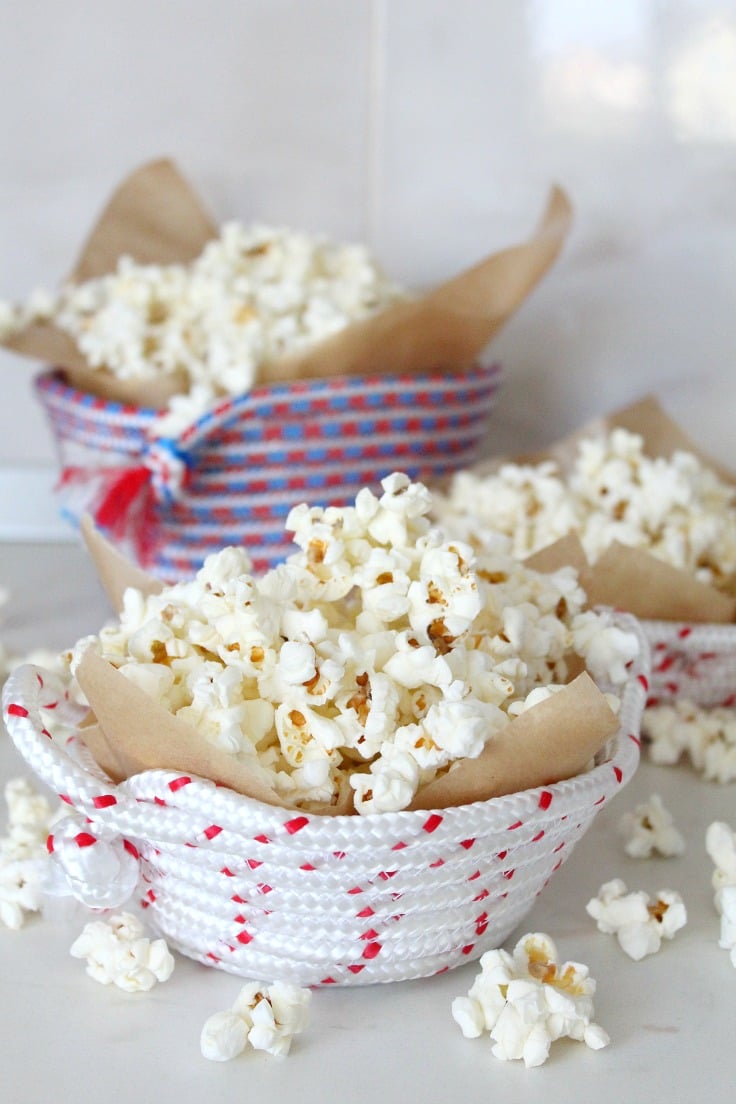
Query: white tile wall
point(432, 130)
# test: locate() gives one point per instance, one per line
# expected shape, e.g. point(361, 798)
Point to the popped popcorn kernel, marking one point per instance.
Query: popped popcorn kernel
point(649, 829)
point(118, 953)
point(266, 1017)
point(528, 999)
point(727, 939)
point(720, 843)
point(639, 924)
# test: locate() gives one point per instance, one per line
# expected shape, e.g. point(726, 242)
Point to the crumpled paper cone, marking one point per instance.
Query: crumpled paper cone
point(155, 217)
point(128, 732)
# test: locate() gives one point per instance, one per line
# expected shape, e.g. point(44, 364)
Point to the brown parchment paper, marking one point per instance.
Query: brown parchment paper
point(632, 578)
point(127, 732)
point(553, 740)
point(448, 328)
point(114, 571)
point(155, 217)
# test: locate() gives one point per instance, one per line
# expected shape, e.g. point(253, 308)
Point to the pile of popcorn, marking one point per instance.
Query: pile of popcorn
point(23, 853)
point(677, 509)
point(254, 294)
point(526, 1000)
point(377, 655)
point(706, 736)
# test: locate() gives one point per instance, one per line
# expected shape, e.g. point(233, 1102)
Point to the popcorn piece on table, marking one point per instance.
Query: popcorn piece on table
point(639, 924)
point(649, 829)
point(526, 1000)
point(118, 953)
point(706, 736)
point(677, 508)
point(23, 855)
point(374, 657)
point(727, 900)
point(266, 1017)
point(720, 843)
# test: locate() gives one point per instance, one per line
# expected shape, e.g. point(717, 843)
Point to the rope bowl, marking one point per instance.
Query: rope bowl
point(232, 476)
point(273, 893)
point(693, 661)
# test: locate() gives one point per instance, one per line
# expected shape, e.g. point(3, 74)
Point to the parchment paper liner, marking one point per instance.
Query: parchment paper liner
point(632, 578)
point(127, 732)
point(154, 217)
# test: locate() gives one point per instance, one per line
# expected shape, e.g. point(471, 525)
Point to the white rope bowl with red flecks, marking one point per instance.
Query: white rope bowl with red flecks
point(268, 892)
point(692, 661)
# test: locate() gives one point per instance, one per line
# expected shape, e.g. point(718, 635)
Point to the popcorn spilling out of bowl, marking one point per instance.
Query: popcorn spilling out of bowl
point(527, 999)
point(381, 667)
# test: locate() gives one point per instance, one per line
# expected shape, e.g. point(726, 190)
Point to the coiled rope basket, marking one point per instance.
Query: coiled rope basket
point(272, 893)
point(693, 661)
point(233, 475)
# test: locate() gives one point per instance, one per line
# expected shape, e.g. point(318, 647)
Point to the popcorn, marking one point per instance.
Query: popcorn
point(677, 509)
point(720, 843)
point(639, 925)
point(526, 1000)
point(649, 830)
point(23, 855)
point(266, 1017)
point(254, 294)
point(377, 655)
point(706, 736)
point(118, 953)
point(728, 921)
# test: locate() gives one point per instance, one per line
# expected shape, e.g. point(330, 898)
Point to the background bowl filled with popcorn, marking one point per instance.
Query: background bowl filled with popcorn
point(656, 519)
point(207, 378)
point(232, 476)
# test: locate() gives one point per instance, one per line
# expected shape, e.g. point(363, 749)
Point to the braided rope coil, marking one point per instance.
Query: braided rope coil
point(232, 476)
point(694, 661)
point(262, 891)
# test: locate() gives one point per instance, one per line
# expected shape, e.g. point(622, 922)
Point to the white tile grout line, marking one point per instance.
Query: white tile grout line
point(28, 507)
point(376, 118)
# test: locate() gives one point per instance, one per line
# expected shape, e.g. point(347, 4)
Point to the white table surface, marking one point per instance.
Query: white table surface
point(671, 1017)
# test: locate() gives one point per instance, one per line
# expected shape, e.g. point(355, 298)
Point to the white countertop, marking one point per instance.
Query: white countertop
point(670, 1017)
